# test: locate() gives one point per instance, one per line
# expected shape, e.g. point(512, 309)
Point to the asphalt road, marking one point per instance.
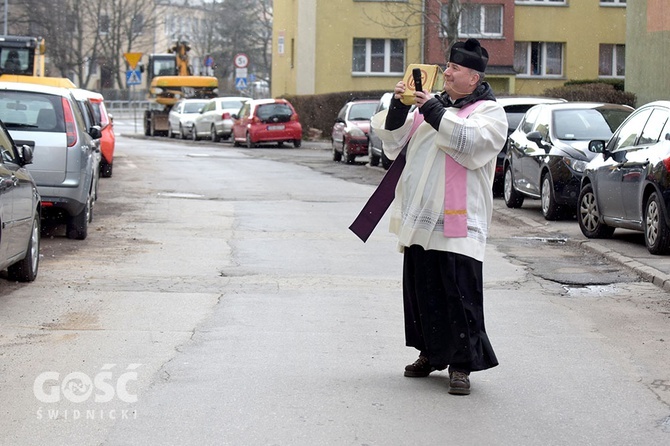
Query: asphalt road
point(219, 299)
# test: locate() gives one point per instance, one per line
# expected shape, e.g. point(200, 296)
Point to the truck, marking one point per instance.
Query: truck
point(170, 78)
point(22, 56)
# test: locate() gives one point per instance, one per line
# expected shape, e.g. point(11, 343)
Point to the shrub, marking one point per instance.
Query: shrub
point(592, 92)
point(318, 111)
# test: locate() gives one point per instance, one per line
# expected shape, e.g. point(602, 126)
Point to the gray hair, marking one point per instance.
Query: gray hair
point(482, 75)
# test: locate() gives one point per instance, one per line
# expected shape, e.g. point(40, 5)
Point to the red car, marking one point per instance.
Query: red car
point(351, 129)
point(104, 120)
point(262, 121)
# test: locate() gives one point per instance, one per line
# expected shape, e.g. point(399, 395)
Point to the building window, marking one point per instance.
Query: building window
point(613, 2)
point(378, 56)
point(546, 2)
point(103, 24)
point(612, 60)
point(137, 24)
point(543, 59)
point(478, 20)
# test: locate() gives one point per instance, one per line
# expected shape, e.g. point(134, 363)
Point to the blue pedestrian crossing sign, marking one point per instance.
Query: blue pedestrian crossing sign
point(133, 77)
point(241, 83)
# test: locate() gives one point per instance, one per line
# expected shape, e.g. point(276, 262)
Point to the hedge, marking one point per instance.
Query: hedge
point(592, 92)
point(318, 111)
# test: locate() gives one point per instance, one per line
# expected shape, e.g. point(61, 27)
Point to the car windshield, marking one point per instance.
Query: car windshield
point(33, 111)
point(193, 107)
point(362, 111)
point(587, 124)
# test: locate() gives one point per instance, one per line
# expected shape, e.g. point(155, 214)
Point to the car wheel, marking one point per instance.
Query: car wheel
point(513, 199)
point(386, 163)
point(656, 231)
point(106, 169)
point(337, 156)
point(213, 135)
point(250, 144)
point(182, 133)
point(348, 158)
point(550, 209)
point(25, 270)
point(194, 134)
point(297, 143)
point(590, 220)
point(374, 159)
point(77, 225)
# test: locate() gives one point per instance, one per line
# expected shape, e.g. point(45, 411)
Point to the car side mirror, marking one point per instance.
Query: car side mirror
point(597, 146)
point(536, 137)
point(26, 153)
point(95, 132)
point(234, 116)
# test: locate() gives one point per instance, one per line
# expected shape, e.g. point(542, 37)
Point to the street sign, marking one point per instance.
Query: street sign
point(133, 77)
point(241, 60)
point(241, 83)
point(132, 59)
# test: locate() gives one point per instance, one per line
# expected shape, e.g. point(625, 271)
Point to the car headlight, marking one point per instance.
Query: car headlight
point(356, 132)
point(576, 165)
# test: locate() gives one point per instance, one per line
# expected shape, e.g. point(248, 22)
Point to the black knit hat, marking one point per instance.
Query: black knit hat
point(469, 54)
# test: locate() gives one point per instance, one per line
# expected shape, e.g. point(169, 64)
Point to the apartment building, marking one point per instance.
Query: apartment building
point(322, 46)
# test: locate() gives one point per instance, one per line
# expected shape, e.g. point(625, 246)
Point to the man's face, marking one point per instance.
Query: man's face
point(459, 81)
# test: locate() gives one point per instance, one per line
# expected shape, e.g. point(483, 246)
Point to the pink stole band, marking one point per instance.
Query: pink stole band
point(456, 190)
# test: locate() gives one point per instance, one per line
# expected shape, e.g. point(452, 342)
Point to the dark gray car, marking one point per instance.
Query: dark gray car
point(65, 163)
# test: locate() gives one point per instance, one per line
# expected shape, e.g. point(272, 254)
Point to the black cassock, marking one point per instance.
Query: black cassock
point(444, 309)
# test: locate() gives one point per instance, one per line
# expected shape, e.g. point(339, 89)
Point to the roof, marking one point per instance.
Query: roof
point(35, 87)
point(41, 80)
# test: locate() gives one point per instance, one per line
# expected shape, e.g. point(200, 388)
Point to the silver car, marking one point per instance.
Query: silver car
point(215, 120)
point(65, 162)
point(180, 118)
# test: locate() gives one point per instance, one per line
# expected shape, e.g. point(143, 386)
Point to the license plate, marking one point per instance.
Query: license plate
point(276, 127)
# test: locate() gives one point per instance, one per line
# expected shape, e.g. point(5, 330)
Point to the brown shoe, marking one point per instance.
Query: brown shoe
point(459, 383)
point(420, 369)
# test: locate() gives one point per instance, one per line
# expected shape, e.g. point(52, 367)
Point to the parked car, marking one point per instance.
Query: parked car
point(215, 119)
point(375, 149)
point(627, 185)
point(20, 209)
point(64, 166)
point(515, 107)
point(181, 116)
point(267, 121)
point(547, 153)
point(82, 99)
point(349, 136)
point(106, 123)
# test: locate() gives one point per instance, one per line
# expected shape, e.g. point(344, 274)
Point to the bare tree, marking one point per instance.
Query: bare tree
point(245, 26)
point(67, 48)
point(122, 25)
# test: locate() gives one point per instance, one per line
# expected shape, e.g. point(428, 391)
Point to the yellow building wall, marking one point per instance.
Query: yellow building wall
point(581, 26)
point(647, 50)
point(325, 66)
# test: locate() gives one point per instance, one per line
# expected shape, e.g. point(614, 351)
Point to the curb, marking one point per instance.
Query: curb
point(647, 273)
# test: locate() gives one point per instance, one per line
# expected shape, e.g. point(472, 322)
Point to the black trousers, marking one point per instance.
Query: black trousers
point(444, 309)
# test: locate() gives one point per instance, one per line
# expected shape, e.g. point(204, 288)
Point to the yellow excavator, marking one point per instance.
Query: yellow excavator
point(170, 78)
